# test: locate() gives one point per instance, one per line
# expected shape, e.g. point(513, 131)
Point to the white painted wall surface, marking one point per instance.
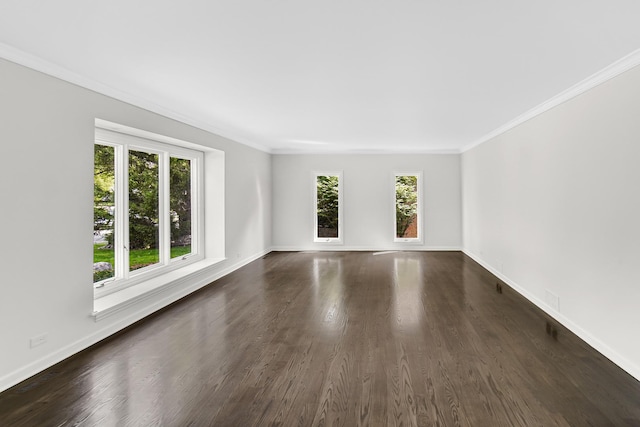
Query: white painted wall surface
point(368, 200)
point(46, 188)
point(554, 205)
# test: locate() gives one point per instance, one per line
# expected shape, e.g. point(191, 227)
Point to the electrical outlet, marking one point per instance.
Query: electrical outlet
point(552, 300)
point(38, 340)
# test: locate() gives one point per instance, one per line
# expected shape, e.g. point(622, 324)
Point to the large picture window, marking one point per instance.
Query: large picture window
point(408, 207)
point(146, 216)
point(328, 207)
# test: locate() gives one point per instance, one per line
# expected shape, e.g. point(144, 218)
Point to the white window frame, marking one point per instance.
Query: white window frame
point(340, 238)
point(123, 143)
point(420, 238)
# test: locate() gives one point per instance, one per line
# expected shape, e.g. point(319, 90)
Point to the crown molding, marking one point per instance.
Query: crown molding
point(38, 64)
point(620, 66)
point(364, 151)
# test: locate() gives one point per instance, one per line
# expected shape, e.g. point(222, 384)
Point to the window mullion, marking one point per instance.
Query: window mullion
point(163, 213)
point(121, 212)
point(195, 207)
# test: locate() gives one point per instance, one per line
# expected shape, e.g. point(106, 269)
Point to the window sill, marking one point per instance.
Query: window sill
point(110, 304)
point(410, 240)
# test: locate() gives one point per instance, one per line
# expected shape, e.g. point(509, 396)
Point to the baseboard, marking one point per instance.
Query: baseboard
point(625, 364)
point(327, 248)
point(51, 359)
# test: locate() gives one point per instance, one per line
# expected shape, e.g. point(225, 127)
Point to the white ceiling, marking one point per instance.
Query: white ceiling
point(329, 75)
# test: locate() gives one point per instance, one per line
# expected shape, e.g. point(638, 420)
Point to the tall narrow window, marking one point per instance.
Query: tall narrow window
point(146, 209)
point(408, 206)
point(328, 207)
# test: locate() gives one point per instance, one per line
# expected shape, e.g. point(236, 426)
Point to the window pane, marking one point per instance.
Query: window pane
point(103, 212)
point(180, 206)
point(407, 206)
point(144, 238)
point(327, 207)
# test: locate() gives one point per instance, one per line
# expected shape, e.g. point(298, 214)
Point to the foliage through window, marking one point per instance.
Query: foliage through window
point(407, 207)
point(144, 206)
point(180, 206)
point(327, 208)
point(144, 234)
point(103, 212)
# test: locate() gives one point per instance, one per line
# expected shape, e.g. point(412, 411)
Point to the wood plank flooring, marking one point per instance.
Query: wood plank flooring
point(336, 339)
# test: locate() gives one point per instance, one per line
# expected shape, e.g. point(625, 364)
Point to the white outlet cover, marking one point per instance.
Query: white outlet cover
point(38, 340)
point(552, 300)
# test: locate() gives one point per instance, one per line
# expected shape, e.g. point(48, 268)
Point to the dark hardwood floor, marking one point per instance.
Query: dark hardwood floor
point(336, 339)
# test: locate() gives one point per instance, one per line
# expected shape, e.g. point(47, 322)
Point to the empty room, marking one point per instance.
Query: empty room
point(357, 213)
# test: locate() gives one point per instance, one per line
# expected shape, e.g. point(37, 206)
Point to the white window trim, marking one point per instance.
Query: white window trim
point(340, 239)
point(117, 136)
point(420, 210)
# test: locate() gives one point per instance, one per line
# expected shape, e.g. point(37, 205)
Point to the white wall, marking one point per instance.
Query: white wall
point(368, 199)
point(46, 188)
point(554, 206)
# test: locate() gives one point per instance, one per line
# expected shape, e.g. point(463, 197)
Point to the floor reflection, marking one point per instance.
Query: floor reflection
point(329, 292)
point(408, 288)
